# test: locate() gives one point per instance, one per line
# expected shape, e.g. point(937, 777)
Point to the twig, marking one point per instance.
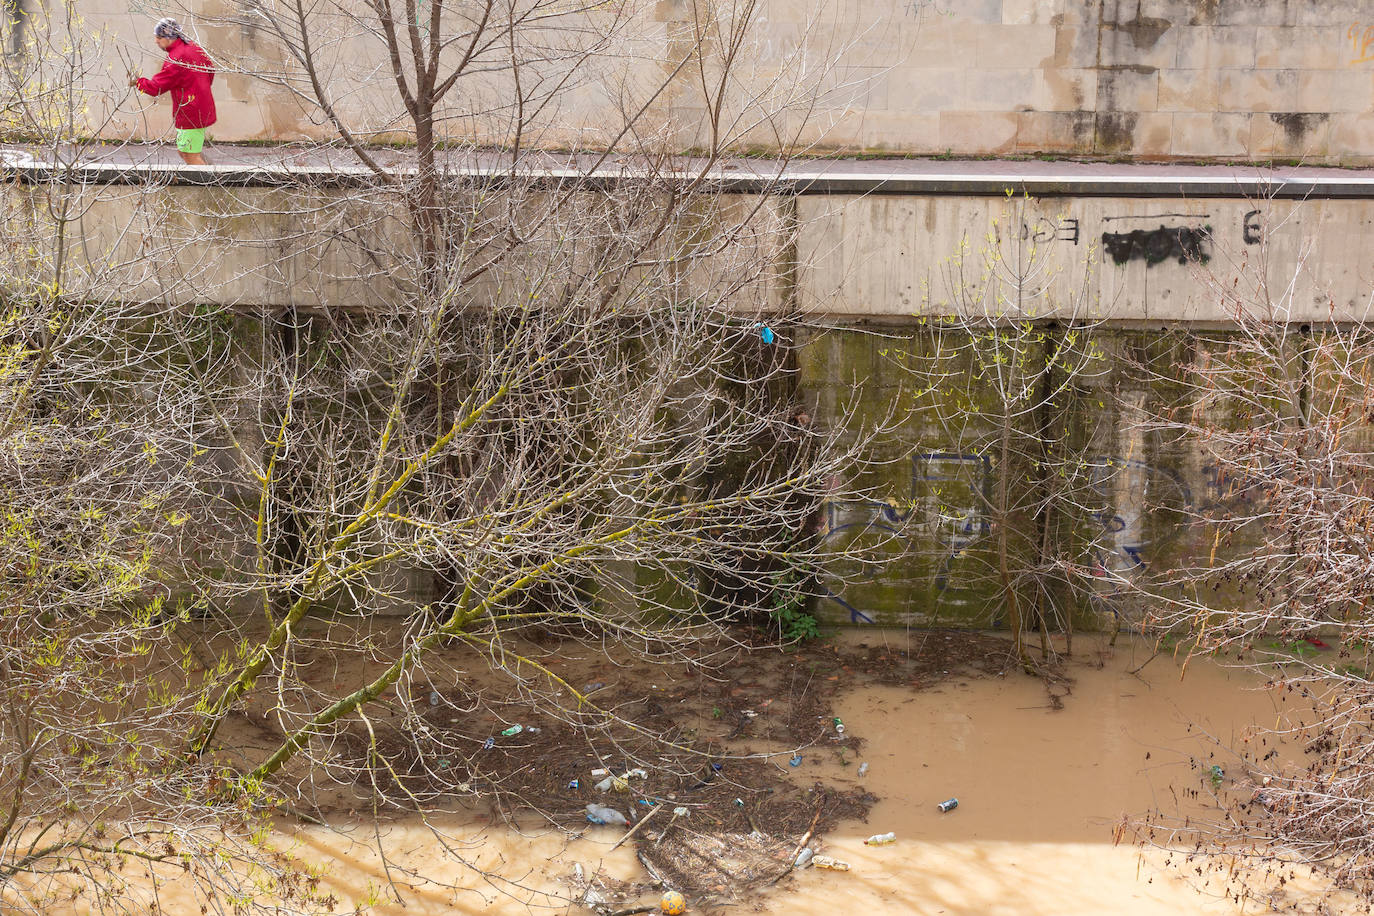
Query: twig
point(635, 829)
point(1136, 671)
point(632, 910)
point(653, 872)
point(791, 860)
point(301, 815)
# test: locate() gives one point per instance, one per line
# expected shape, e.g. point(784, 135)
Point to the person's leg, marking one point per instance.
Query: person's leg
point(189, 144)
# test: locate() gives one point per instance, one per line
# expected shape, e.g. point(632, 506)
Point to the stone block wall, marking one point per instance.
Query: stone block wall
point(1190, 79)
point(1163, 79)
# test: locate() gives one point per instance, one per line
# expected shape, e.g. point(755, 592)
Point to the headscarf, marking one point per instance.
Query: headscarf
point(168, 28)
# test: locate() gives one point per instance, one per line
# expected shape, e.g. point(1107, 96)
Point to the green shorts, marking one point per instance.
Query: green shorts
point(191, 141)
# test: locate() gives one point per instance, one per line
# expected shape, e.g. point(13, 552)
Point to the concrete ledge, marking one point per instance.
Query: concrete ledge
point(282, 167)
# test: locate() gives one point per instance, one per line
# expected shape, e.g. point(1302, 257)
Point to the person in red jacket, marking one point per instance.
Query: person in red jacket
point(187, 75)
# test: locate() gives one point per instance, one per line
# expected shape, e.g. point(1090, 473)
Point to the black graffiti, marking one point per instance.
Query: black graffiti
point(1045, 230)
point(1187, 243)
point(1251, 229)
point(1108, 219)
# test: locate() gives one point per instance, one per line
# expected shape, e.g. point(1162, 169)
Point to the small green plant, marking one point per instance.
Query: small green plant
point(788, 609)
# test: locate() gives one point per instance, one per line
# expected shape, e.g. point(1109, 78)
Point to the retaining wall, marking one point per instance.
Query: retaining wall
point(1213, 79)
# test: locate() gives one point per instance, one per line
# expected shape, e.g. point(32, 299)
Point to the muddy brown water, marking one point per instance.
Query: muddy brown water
point(1040, 792)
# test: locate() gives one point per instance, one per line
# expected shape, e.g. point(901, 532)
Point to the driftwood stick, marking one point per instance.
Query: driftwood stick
point(653, 872)
point(797, 851)
point(635, 829)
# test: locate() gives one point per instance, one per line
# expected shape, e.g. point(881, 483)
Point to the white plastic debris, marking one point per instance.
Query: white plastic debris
point(600, 814)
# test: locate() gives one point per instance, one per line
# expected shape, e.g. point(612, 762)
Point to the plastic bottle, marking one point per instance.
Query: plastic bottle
point(881, 839)
point(513, 730)
point(434, 698)
point(600, 814)
point(863, 769)
point(804, 858)
point(832, 864)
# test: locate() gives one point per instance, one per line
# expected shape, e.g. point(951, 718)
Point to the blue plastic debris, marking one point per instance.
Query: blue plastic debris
point(796, 761)
point(766, 334)
point(488, 744)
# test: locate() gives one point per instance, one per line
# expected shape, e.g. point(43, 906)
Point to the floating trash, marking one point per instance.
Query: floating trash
point(600, 814)
point(832, 864)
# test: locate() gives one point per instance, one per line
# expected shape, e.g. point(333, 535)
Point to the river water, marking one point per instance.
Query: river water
point(1040, 790)
point(1042, 785)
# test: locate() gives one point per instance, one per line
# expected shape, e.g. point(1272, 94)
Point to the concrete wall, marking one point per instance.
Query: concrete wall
point(1123, 260)
point(1126, 506)
point(1116, 259)
point(1232, 79)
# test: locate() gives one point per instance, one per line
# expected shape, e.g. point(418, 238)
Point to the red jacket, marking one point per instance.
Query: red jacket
point(187, 74)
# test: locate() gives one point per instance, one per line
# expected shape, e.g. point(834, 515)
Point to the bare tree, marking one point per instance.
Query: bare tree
point(997, 390)
point(556, 402)
point(1275, 412)
point(100, 468)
